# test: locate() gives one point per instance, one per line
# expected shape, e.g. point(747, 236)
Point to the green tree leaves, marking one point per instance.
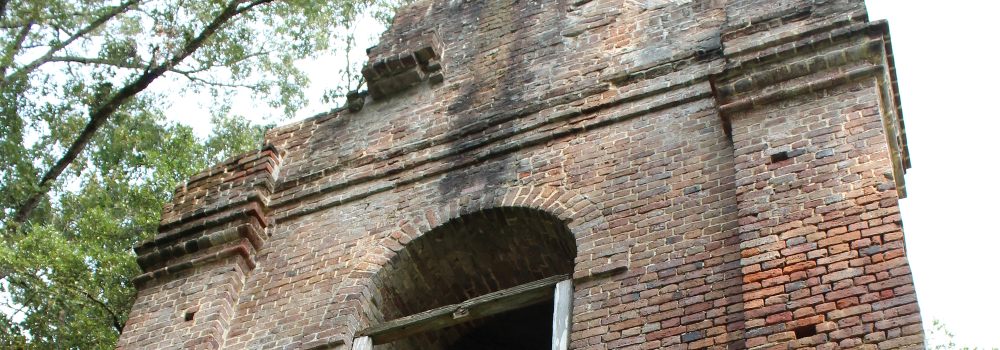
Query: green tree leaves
point(87, 159)
point(69, 279)
point(939, 338)
point(88, 59)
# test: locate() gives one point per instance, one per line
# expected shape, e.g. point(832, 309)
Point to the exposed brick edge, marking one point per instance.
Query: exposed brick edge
point(253, 197)
point(892, 113)
point(214, 169)
point(162, 254)
point(792, 91)
point(883, 27)
point(241, 186)
point(240, 250)
point(267, 183)
point(810, 43)
point(254, 209)
point(790, 16)
point(871, 51)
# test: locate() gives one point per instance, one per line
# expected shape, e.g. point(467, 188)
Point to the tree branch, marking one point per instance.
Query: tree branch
point(244, 58)
point(197, 79)
point(96, 61)
point(8, 58)
point(143, 65)
point(100, 21)
point(114, 317)
point(100, 115)
point(106, 62)
point(13, 25)
point(24, 286)
point(250, 6)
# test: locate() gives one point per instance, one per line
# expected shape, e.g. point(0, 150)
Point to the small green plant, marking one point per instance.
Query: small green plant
point(939, 338)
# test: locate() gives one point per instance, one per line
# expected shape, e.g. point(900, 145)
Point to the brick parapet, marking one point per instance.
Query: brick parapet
point(238, 179)
point(196, 266)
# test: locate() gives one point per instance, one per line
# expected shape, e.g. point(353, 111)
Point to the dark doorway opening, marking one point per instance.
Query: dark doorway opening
point(471, 256)
point(529, 328)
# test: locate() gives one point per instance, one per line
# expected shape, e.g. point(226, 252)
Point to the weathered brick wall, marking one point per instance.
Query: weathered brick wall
point(713, 174)
point(820, 232)
point(197, 265)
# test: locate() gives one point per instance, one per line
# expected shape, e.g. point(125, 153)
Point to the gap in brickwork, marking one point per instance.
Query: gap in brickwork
point(780, 156)
point(805, 331)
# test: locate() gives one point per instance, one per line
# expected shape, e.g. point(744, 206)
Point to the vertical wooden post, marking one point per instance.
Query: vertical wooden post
point(362, 343)
point(562, 315)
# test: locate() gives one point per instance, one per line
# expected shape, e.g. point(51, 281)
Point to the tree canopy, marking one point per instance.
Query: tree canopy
point(87, 155)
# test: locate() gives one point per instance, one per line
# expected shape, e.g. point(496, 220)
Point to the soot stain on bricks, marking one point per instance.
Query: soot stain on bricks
point(626, 144)
point(494, 67)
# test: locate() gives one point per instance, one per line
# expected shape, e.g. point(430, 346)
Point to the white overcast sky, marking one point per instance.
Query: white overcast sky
point(945, 55)
point(945, 58)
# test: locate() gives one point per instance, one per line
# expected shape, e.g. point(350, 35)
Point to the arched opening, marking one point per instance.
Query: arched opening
point(478, 255)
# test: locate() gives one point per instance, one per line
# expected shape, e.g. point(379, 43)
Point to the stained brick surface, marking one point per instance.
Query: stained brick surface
point(713, 174)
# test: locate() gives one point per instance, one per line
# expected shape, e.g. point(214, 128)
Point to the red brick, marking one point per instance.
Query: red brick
point(543, 148)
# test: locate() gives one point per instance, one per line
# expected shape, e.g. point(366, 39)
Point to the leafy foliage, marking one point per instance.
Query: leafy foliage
point(87, 157)
point(939, 338)
point(69, 278)
point(68, 66)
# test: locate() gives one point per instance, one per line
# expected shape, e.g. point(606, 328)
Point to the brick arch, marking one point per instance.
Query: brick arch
point(581, 215)
point(582, 220)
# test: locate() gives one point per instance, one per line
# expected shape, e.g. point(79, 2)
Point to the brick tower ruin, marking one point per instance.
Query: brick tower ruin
point(585, 174)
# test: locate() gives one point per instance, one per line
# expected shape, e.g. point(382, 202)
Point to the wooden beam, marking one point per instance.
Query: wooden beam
point(362, 343)
point(478, 307)
point(562, 315)
point(336, 343)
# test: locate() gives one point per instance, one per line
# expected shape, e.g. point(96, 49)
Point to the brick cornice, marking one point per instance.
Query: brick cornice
point(814, 56)
point(219, 213)
point(478, 150)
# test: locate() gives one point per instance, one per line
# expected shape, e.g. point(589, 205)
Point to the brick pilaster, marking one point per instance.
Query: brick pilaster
point(196, 266)
point(819, 157)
